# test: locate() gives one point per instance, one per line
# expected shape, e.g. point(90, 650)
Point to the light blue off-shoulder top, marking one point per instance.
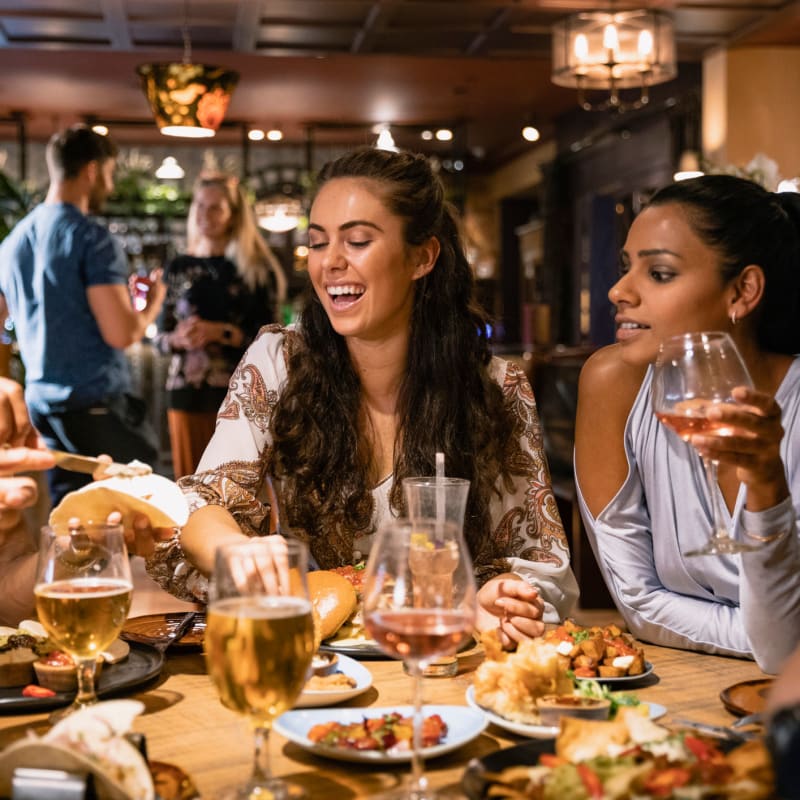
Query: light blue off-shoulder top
point(744, 605)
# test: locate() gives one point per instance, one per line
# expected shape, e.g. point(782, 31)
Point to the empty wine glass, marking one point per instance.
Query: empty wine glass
point(419, 604)
point(83, 594)
point(692, 373)
point(259, 641)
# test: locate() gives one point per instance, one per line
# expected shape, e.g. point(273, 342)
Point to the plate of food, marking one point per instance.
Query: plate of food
point(631, 753)
point(342, 733)
point(543, 731)
point(347, 679)
point(158, 626)
point(139, 665)
point(599, 653)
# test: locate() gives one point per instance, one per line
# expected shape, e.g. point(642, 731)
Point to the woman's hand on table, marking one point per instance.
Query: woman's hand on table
point(511, 605)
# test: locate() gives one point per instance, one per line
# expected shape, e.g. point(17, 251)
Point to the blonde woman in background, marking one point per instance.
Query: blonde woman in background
point(219, 294)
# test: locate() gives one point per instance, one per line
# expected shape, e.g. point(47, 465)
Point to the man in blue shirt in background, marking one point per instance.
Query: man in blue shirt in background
point(64, 282)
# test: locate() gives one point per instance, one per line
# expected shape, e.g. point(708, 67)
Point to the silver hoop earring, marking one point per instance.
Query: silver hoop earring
point(733, 317)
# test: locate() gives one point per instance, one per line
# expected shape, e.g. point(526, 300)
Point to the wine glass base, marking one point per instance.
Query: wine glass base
point(273, 790)
point(406, 793)
point(60, 713)
point(723, 547)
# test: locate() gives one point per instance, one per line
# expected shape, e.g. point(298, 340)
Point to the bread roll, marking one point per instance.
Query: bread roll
point(333, 599)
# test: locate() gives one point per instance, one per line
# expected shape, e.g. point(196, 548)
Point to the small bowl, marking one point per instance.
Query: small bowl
point(59, 676)
point(552, 707)
point(324, 664)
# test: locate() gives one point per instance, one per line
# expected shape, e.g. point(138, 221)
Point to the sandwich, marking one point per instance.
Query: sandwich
point(153, 495)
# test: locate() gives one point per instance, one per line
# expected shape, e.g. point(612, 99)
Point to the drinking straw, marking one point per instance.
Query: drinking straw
point(440, 513)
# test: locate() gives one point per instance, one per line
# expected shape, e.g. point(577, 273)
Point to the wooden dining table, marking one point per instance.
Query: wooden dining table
point(185, 724)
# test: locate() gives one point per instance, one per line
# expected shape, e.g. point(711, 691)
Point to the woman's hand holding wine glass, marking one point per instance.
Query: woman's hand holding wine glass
point(419, 605)
point(703, 392)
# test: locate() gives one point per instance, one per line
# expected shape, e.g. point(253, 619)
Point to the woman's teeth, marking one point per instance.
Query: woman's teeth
point(335, 291)
point(629, 326)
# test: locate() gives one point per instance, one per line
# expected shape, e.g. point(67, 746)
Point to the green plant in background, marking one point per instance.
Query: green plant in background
point(16, 200)
point(138, 193)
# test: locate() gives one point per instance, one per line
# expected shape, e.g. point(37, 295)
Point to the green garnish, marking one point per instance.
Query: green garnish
point(598, 691)
point(581, 636)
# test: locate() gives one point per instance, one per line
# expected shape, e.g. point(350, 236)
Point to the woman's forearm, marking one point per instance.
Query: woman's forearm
point(207, 529)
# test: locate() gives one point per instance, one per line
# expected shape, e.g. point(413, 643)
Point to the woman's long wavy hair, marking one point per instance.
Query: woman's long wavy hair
point(448, 401)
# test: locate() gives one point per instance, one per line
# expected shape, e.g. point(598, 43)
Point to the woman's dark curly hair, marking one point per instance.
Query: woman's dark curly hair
point(746, 225)
point(448, 401)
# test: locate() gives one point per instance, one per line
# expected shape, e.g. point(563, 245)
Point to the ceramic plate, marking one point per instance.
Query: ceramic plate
point(537, 731)
point(746, 697)
point(368, 648)
point(348, 666)
point(625, 679)
point(140, 629)
point(463, 725)
point(142, 664)
point(475, 783)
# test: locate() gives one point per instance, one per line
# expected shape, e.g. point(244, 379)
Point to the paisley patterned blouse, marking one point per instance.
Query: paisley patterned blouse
point(527, 537)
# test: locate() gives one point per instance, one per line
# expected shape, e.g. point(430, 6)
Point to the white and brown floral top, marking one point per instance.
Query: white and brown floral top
point(527, 537)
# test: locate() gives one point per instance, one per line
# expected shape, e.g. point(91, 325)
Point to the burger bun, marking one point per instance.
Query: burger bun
point(333, 600)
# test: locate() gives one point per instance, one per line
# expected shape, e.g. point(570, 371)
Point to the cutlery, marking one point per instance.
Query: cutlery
point(161, 643)
point(717, 731)
point(87, 464)
point(750, 719)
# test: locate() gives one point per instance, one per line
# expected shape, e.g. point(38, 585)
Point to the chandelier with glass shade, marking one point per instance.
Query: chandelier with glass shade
point(608, 52)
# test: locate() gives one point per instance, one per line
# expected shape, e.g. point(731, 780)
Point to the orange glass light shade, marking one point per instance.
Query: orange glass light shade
point(188, 99)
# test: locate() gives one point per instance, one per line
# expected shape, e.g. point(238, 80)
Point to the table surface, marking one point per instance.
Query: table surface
point(186, 725)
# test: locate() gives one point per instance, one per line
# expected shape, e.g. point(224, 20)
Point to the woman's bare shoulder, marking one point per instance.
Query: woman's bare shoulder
point(606, 376)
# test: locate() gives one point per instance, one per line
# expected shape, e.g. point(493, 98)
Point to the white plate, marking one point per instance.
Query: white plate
point(463, 725)
point(348, 666)
point(537, 731)
point(366, 648)
point(648, 668)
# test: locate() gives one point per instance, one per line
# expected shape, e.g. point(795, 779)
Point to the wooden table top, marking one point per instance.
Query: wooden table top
point(186, 725)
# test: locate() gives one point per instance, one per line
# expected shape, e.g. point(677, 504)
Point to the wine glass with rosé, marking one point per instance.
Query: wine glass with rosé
point(83, 594)
point(694, 372)
point(419, 605)
point(259, 641)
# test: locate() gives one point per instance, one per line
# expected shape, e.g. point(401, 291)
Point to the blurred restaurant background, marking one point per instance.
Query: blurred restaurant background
point(550, 121)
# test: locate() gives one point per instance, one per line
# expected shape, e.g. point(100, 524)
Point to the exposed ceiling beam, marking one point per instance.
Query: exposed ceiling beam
point(117, 21)
point(247, 25)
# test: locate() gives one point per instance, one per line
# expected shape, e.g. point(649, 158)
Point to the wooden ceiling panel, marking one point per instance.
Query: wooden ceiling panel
point(483, 65)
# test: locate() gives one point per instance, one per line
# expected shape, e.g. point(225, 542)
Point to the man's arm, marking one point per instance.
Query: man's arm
point(120, 324)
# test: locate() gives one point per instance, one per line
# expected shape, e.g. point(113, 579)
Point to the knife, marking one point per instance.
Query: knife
point(89, 465)
point(717, 731)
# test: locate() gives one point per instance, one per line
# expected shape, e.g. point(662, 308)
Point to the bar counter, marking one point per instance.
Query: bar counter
point(186, 725)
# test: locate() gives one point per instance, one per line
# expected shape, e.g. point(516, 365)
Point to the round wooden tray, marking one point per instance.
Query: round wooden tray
point(746, 697)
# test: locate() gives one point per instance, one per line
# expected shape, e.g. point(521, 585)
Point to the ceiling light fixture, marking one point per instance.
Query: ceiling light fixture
point(385, 140)
point(531, 133)
point(101, 129)
point(275, 135)
point(688, 166)
point(170, 170)
point(256, 135)
point(444, 135)
point(608, 52)
point(279, 214)
point(187, 99)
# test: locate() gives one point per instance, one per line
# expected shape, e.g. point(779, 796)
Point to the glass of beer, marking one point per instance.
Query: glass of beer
point(259, 641)
point(83, 594)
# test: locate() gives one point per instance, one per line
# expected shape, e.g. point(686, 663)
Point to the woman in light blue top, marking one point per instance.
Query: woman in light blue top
point(712, 253)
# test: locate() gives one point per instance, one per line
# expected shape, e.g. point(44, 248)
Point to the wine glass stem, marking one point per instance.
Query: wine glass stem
point(419, 783)
point(720, 528)
point(262, 772)
point(86, 670)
